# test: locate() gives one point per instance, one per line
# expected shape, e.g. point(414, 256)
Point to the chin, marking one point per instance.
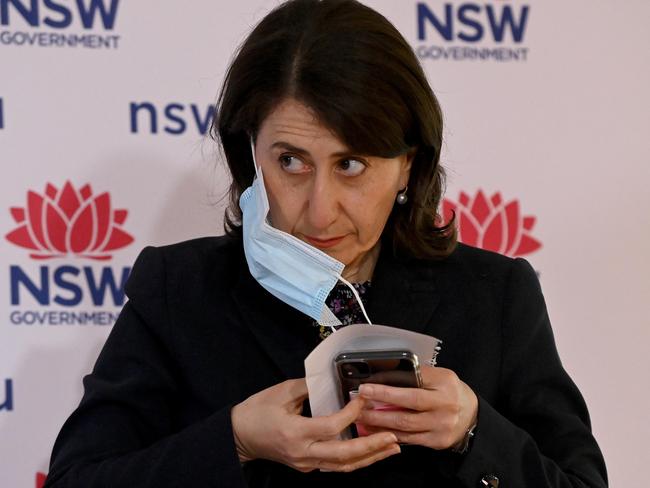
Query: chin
point(340, 255)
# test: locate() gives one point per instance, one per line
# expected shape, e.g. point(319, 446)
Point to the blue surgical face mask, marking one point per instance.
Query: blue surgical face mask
point(291, 270)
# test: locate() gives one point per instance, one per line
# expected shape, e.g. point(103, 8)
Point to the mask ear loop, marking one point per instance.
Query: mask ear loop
point(257, 170)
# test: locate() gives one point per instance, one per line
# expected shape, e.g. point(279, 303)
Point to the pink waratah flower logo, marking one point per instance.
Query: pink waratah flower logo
point(69, 221)
point(40, 479)
point(492, 224)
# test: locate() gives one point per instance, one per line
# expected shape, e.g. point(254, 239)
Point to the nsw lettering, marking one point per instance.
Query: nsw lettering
point(172, 118)
point(65, 285)
point(7, 397)
point(57, 14)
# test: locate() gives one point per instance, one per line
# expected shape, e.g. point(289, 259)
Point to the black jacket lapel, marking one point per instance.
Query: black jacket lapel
point(403, 293)
point(284, 333)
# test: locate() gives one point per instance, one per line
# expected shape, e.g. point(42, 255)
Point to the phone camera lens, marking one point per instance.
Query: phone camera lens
point(356, 370)
point(348, 369)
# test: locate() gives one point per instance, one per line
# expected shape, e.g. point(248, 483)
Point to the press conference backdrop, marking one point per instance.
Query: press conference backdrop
point(104, 107)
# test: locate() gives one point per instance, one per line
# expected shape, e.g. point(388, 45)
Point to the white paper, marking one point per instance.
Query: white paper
point(320, 370)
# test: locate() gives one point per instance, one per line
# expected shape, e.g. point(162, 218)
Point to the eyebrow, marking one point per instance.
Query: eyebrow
point(301, 151)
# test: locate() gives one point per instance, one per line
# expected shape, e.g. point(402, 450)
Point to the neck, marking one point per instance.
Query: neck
point(361, 269)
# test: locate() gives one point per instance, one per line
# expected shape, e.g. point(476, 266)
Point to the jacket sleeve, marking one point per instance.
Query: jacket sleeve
point(539, 432)
point(122, 434)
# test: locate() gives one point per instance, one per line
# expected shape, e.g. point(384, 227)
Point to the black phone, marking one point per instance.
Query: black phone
point(396, 367)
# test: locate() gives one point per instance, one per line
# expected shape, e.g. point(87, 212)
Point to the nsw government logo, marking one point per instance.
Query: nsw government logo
point(69, 224)
point(59, 23)
point(40, 479)
point(466, 31)
point(492, 224)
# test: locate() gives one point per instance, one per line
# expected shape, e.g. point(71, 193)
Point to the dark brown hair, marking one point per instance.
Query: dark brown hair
point(362, 80)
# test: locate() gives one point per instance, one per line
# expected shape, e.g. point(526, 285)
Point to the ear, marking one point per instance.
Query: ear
point(406, 163)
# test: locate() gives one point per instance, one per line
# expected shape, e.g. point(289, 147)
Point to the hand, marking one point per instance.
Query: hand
point(438, 415)
point(268, 425)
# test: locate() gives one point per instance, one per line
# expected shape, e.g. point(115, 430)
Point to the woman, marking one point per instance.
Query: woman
point(200, 382)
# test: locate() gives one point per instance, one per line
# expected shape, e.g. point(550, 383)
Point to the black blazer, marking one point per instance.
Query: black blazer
point(199, 335)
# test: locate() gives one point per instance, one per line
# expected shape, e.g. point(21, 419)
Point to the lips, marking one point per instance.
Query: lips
point(324, 243)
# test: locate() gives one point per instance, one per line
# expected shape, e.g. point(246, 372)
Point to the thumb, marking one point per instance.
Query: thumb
point(295, 390)
point(323, 427)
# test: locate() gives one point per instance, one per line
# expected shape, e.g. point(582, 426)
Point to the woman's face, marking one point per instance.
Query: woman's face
point(318, 190)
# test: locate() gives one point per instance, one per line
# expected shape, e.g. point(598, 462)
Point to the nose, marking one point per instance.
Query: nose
point(323, 202)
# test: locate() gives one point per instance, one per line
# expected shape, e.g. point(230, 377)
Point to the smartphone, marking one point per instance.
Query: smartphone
point(389, 367)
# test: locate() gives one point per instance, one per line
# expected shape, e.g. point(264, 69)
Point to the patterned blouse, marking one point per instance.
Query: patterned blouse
point(344, 305)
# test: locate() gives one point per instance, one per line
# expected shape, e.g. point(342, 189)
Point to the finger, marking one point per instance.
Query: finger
point(435, 378)
point(400, 420)
point(355, 464)
point(341, 452)
point(412, 398)
point(294, 394)
point(427, 439)
point(296, 388)
point(329, 426)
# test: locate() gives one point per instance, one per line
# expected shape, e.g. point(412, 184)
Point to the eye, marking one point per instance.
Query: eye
point(352, 167)
point(293, 165)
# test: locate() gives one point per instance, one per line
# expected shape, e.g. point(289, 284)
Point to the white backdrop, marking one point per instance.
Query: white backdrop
point(555, 122)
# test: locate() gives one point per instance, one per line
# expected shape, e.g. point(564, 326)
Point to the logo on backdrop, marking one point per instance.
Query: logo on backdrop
point(53, 23)
point(74, 224)
point(492, 224)
point(40, 480)
point(69, 221)
point(7, 396)
point(466, 31)
point(173, 118)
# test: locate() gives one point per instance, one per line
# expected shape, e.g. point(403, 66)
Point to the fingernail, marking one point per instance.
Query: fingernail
point(366, 390)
